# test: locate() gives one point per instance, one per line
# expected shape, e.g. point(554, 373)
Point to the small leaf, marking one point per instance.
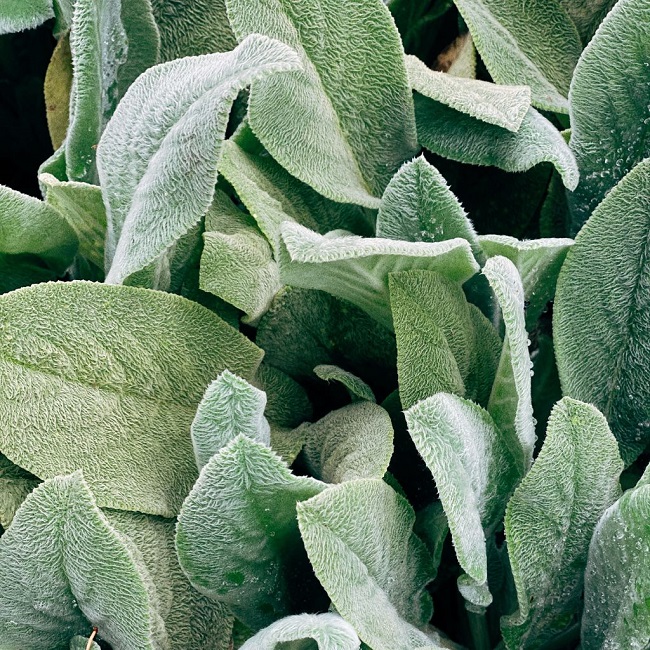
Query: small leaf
point(329, 631)
point(18, 15)
point(353, 442)
point(504, 106)
point(245, 492)
point(15, 485)
point(357, 388)
point(142, 160)
point(81, 643)
point(230, 407)
point(57, 88)
point(357, 269)
point(550, 520)
point(350, 130)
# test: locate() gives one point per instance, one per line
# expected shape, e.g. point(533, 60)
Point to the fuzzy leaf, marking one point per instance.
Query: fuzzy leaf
point(143, 160)
point(587, 15)
point(452, 134)
point(536, 45)
point(15, 485)
point(357, 269)
point(230, 407)
point(18, 15)
point(81, 643)
point(602, 313)
point(18, 271)
point(357, 388)
point(351, 125)
point(57, 88)
point(114, 375)
point(245, 492)
point(504, 106)
point(551, 517)
point(610, 122)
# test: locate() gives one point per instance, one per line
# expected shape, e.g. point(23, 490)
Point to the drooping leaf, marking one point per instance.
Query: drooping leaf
point(245, 492)
point(458, 136)
point(28, 225)
point(617, 578)
point(475, 472)
point(114, 376)
point(510, 402)
point(57, 88)
point(17, 15)
point(610, 129)
point(352, 442)
point(601, 317)
point(329, 631)
point(419, 206)
point(167, 133)
point(504, 106)
point(351, 125)
point(550, 520)
point(536, 45)
point(357, 269)
point(360, 542)
point(357, 388)
point(64, 569)
point(230, 407)
point(15, 485)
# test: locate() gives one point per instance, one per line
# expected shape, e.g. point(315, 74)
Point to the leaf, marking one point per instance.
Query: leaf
point(191, 619)
point(357, 269)
point(504, 106)
point(237, 262)
point(63, 569)
point(457, 136)
point(459, 58)
point(18, 15)
point(535, 45)
point(329, 631)
point(419, 206)
point(431, 526)
point(538, 262)
point(230, 407)
point(610, 130)
point(551, 517)
point(352, 442)
point(81, 205)
point(510, 402)
point(28, 225)
point(114, 375)
point(359, 539)
point(15, 485)
point(475, 472)
point(350, 130)
point(57, 88)
point(587, 15)
point(192, 27)
point(617, 578)
point(81, 643)
point(18, 271)
point(142, 161)
point(357, 388)
point(601, 319)
point(245, 492)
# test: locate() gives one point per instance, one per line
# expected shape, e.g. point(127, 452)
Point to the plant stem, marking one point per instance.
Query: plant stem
point(479, 630)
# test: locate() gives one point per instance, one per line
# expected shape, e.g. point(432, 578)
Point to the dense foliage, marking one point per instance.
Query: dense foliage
point(297, 349)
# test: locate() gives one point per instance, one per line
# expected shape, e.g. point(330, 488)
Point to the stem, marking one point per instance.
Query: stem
point(479, 630)
point(91, 638)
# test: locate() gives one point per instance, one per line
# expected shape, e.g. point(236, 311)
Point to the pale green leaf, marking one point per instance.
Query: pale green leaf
point(419, 206)
point(602, 313)
point(460, 58)
point(475, 472)
point(550, 520)
point(351, 120)
point(57, 88)
point(28, 225)
point(166, 134)
point(329, 631)
point(352, 442)
point(538, 262)
point(360, 541)
point(535, 44)
point(81, 643)
point(357, 388)
point(458, 136)
point(82, 206)
point(15, 485)
point(510, 402)
point(230, 407)
point(610, 118)
point(357, 269)
point(114, 375)
point(504, 106)
point(617, 578)
point(245, 492)
point(63, 569)
point(18, 15)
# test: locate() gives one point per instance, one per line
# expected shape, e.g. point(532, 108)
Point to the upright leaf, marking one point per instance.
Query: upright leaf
point(357, 388)
point(351, 125)
point(114, 376)
point(602, 313)
point(168, 133)
point(550, 520)
point(15, 485)
point(610, 124)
